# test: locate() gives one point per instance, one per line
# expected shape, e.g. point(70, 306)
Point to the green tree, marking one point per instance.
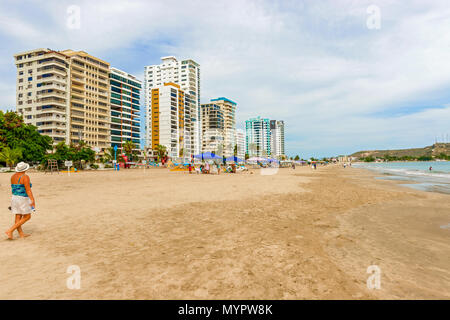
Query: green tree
point(128, 148)
point(425, 158)
point(108, 155)
point(443, 156)
point(15, 134)
point(10, 156)
point(79, 154)
point(297, 158)
point(161, 151)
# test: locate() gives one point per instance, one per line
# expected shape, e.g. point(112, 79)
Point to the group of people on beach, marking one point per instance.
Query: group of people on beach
point(22, 201)
point(214, 168)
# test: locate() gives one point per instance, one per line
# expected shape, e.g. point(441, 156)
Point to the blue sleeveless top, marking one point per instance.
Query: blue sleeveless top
point(19, 189)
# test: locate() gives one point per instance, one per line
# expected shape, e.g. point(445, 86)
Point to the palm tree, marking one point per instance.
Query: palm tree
point(109, 154)
point(128, 147)
point(161, 150)
point(10, 156)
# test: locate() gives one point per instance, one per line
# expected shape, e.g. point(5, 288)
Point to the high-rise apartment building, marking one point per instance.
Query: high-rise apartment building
point(125, 108)
point(68, 95)
point(171, 121)
point(257, 137)
point(212, 120)
point(240, 144)
point(186, 74)
point(90, 110)
point(228, 108)
point(277, 138)
point(43, 91)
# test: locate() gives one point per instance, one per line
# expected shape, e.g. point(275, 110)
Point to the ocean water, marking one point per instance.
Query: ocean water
point(417, 173)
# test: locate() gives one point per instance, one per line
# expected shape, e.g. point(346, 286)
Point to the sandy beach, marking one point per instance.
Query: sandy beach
point(298, 234)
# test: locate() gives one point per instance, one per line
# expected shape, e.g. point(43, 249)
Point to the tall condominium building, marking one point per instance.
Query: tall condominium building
point(125, 114)
point(277, 138)
point(43, 91)
point(212, 120)
point(185, 73)
point(240, 143)
point(90, 110)
point(171, 120)
point(228, 108)
point(257, 137)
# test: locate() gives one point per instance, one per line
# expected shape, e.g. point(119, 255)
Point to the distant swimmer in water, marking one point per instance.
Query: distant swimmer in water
point(431, 168)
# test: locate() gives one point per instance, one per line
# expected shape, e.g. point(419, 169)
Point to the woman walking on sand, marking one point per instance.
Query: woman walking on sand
point(22, 202)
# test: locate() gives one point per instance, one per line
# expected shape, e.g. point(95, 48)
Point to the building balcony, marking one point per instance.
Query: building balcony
point(57, 126)
point(51, 70)
point(52, 86)
point(53, 62)
point(51, 101)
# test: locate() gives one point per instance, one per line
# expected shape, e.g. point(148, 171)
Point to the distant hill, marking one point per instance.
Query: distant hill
point(431, 151)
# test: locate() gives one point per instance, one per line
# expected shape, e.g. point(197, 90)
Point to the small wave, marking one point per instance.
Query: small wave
point(409, 171)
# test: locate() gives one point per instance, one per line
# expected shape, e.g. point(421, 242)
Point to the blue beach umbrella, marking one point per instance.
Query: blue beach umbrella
point(207, 155)
point(235, 159)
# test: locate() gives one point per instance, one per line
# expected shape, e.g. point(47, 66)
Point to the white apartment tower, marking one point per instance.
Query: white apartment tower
point(277, 138)
point(257, 140)
point(212, 128)
point(240, 143)
point(43, 91)
point(228, 108)
point(186, 74)
point(65, 94)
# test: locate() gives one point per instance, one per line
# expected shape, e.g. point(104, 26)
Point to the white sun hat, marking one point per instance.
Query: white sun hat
point(22, 166)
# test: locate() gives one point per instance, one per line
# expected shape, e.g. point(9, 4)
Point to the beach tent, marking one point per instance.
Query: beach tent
point(207, 155)
point(257, 159)
point(235, 159)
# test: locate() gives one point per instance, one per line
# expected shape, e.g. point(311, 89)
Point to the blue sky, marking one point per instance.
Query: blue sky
point(340, 86)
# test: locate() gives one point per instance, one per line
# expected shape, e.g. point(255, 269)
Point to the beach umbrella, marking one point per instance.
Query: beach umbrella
point(206, 155)
point(235, 159)
point(257, 159)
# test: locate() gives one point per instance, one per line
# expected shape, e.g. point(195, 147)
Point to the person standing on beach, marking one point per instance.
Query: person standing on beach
point(22, 201)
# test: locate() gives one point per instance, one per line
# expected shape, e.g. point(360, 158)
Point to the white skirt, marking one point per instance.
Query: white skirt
point(20, 205)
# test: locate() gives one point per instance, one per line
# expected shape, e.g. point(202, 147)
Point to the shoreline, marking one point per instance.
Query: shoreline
point(299, 234)
point(429, 181)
